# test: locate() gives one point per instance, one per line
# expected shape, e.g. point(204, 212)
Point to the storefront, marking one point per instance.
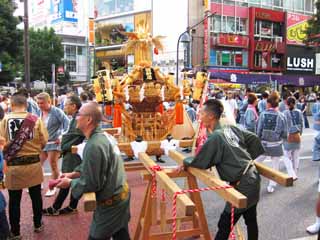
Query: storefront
point(229, 50)
point(110, 37)
point(266, 36)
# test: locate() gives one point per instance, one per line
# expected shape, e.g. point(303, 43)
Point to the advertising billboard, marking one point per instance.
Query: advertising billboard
point(296, 25)
point(300, 60)
point(38, 13)
point(64, 10)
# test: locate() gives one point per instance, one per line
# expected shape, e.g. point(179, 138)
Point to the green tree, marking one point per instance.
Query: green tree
point(45, 49)
point(10, 42)
point(313, 26)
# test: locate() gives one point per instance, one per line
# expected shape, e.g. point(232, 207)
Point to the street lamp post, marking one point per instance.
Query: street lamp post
point(186, 38)
point(26, 45)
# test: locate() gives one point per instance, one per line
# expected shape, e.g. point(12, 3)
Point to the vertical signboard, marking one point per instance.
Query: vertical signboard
point(91, 32)
point(317, 63)
point(205, 42)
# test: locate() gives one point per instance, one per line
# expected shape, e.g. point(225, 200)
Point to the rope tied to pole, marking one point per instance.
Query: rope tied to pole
point(154, 169)
point(174, 208)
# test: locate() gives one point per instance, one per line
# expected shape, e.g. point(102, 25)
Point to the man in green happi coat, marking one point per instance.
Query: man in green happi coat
point(70, 160)
point(231, 150)
point(102, 172)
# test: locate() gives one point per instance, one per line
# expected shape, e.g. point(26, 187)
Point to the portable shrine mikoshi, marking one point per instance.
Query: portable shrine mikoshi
point(146, 89)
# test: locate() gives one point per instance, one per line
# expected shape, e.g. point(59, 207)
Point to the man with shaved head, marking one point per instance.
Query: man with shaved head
point(102, 172)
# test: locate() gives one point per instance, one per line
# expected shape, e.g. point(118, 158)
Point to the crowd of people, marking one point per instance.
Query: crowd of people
point(33, 130)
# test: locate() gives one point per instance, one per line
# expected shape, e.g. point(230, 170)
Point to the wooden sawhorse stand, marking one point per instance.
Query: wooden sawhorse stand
point(191, 208)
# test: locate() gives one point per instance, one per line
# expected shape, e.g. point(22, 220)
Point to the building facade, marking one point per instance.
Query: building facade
point(69, 19)
point(160, 17)
point(256, 36)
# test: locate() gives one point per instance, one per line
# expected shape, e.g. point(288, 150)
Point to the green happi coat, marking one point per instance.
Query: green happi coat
point(102, 172)
point(230, 149)
point(73, 137)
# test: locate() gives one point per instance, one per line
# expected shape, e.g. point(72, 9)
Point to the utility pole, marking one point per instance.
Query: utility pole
point(26, 46)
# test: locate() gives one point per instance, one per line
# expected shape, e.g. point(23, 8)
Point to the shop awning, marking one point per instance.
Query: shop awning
point(297, 80)
point(242, 78)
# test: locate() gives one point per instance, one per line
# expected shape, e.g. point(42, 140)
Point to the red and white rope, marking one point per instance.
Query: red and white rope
point(174, 208)
point(154, 169)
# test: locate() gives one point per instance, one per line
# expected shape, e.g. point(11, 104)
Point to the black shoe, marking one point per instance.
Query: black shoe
point(160, 160)
point(50, 211)
point(128, 159)
point(186, 150)
point(38, 228)
point(67, 210)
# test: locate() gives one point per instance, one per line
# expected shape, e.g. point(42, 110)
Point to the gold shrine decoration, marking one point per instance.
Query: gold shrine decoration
point(141, 41)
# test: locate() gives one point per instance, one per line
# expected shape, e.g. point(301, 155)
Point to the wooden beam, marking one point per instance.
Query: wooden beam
point(183, 201)
point(111, 131)
point(231, 195)
point(90, 203)
point(277, 176)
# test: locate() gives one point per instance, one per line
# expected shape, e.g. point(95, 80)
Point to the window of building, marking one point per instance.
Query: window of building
point(71, 52)
point(71, 66)
point(276, 60)
point(254, 3)
point(266, 3)
point(277, 29)
point(228, 24)
point(242, 3)
point(257, 59)
point(298, 5)
point(288, 5)
point(229, 58)
point(230, 2)
point(309, 6)
point(81, 51)
point(267, 29)
point(277, 3)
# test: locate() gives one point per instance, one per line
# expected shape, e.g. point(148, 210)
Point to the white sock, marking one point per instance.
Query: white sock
point(318, 220)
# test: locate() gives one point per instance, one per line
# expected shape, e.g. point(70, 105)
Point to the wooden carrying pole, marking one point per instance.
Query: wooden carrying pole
point(277, 176)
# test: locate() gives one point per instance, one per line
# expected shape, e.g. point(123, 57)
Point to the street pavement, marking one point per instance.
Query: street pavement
point(284, 214)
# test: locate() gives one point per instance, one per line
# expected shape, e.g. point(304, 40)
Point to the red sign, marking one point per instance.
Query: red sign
point(232, 40)
point(265, 46)
point(60, 70)
point(270, 15)
point(205, 42)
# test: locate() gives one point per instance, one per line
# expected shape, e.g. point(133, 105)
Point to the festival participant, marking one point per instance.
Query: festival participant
point(4, 226)
point(272, 130)
point(262, 105)
point(102, 172)
point(69, 161)
point(283, 104)
point(315, 110)
point(231, 150)
point(294, 119)
point(56, 122)
point(251, 116)
point(25, 135)
point(243, 106)
point(32, 106)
